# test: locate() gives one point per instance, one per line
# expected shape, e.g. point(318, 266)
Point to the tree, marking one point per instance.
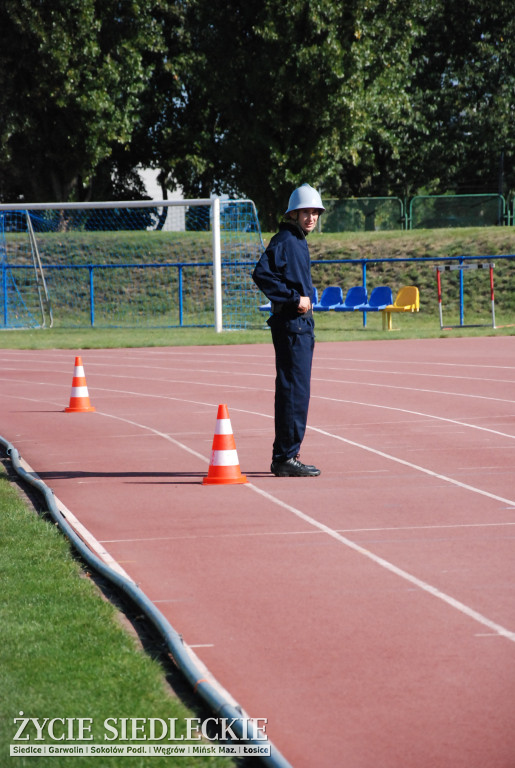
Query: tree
point(72, 73)
point(449, 124)
point(275, 94)
point(385, 34)
point(463, 92)
point(262, 104)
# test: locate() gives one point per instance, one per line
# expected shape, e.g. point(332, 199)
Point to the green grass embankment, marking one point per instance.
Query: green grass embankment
point(487, 242)
point(442, 244)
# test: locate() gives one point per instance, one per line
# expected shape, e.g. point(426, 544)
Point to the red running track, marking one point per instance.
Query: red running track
point(367, 614)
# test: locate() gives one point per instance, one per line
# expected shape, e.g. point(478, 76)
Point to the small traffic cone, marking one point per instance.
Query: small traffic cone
point(79, 399)
point(224, 467)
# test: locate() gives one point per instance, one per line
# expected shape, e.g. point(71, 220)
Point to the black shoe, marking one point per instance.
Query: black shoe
point(308, 466)
point(293, 468)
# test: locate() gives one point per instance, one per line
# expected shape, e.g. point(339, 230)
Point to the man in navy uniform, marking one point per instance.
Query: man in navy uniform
point(283, 274)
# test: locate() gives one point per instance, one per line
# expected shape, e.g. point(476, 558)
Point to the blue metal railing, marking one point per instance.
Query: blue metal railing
point(254, 299)
point(419, 259)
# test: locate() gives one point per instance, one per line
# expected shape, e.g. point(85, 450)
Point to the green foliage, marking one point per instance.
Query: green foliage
point(462, 95)
point(72, 73)
point(264, 102)
point(366, 98)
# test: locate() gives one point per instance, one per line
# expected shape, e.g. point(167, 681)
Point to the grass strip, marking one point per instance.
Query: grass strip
point(64, 653)
point(329, 326)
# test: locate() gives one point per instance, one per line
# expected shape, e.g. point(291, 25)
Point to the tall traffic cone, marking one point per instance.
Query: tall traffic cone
point(79, 399)
point(224, 467)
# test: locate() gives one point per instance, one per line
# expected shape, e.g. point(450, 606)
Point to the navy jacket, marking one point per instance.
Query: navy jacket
point(283, 273)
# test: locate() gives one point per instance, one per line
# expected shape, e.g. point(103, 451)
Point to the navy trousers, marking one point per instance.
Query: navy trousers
point(294, 342)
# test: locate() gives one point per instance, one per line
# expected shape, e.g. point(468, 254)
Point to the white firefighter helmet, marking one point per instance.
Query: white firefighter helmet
point(304, 197)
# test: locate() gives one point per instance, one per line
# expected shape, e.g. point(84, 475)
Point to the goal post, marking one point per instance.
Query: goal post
point(159, 263)
point(217, 264)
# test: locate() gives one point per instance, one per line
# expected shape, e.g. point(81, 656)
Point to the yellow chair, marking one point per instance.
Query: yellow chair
point(407, 300)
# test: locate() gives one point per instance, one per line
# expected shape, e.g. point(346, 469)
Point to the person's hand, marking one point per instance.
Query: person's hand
point(304, 305)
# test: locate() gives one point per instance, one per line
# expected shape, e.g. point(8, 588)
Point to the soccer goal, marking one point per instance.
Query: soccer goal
point(123, 264)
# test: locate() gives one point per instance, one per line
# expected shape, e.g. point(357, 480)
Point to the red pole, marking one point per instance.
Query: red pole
point(492, 293)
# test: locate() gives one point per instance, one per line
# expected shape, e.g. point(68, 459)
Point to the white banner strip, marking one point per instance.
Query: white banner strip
point(139, 750)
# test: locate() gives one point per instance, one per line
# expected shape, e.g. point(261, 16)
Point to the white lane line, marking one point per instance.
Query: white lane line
point(202, 645)
point(498, 629)
point(432, 363)
point(417, 467)
point(444, 392)
point(390, 372)
point(258, 534)
point(428, 527)
point(486, 634)
point(162, 434)
point(457, 422)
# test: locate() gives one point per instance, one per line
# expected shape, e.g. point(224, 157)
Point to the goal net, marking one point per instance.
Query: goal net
point(178, 263)
point(24, 299)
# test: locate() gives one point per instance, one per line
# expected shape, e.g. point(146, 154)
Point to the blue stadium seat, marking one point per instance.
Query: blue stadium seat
point(380, 298)
point(355, 298)
point(331, 297)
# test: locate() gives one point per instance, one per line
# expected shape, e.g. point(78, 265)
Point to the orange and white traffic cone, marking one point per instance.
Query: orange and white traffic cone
point(224, 467)
point(79, 399)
